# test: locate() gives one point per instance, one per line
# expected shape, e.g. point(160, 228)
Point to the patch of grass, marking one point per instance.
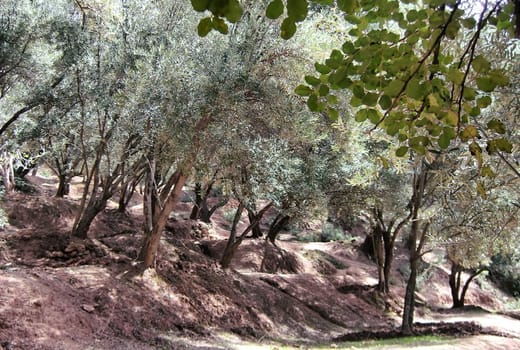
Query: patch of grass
point(320, 255)
point(405, 342)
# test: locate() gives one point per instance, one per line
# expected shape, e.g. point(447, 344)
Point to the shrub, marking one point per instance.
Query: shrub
point(332, 232)
point(505, 271)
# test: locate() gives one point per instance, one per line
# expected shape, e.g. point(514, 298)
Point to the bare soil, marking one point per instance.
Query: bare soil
point(60, 293)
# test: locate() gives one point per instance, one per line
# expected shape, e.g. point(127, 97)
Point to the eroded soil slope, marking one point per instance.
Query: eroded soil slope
point(61, 293)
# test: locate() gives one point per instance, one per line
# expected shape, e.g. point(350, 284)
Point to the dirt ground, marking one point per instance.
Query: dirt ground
point(61, 293)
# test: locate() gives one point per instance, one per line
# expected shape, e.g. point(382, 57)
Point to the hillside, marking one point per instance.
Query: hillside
point(61, 293)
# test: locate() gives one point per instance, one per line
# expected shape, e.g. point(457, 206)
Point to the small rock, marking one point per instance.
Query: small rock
point(88, 308)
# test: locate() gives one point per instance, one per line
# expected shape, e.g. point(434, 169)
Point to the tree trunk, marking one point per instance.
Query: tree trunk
point(377, 247)
point(251, 214)
point(454, 281)
point(195, 211)
point(389, 258)
point(276, 226)
point(458, 296)
point(93, 208)
point(233, 242)
point(409, 298)
point(8, 172)
point(416, 203)
point(63, 185)
point(206, 213)
point(150, 246)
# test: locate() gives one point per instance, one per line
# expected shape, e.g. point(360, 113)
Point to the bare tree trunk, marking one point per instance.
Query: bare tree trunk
point(63, 185)
point(416, 203)
point(276, 226)
point(234, 242)
point(170, 196)
point(8, 172)
point(455, 280)
point(87, 217)
point(150, 246)
point(251, 214)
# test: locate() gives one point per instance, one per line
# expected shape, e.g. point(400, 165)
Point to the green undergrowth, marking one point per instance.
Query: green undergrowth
point(394, 343)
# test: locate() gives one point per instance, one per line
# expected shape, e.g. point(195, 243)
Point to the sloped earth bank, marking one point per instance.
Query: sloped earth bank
point(60, 293)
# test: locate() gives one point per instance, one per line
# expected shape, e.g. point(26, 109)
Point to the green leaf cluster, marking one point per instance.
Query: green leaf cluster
point(221, 10)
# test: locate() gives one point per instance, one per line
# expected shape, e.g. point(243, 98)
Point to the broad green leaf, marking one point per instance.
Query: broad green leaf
point(374, 116)
point(355, 102)
point(234, 11)
point(323, 90)
point(321, 68)
point(348, 6)
point(358, 91)
point(498, 78)
point(312, 103)
point(333, 114)
point(484, 101)
point(504, 145)
point(497, 126)
point(394, 88)
point(219, 24)
point(480, 64)
point(455, 76)
point(416, 90)
point(474, 112)
point(450, 132)
point(452, 118)
point(401, 151)
point(348, 48)
point(469, 23)
point(335, 60)
point(444, 141)
point(199, 5)
point(469, 132)
point(332, 99)
point(204, 27)
point(469, 94)
point(385, 102)
point(303, 90)
point(297, 10)
point(274, 9)
point(486, 84)
point(370, 99)
point(452, 29)
point(287, 29)
point(312, 80)
point(361, 115)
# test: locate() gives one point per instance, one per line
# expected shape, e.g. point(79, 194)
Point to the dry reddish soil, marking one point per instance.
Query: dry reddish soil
point(61, 293)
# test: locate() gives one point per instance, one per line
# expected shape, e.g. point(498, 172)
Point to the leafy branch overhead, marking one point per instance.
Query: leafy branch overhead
point(411, 68)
